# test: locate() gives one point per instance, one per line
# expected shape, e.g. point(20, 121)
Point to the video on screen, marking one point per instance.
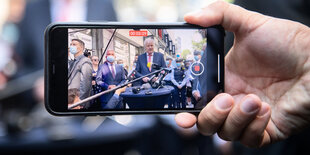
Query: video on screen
point(132, 69)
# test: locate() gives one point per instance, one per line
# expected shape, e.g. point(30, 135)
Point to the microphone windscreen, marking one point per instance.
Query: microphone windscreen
point(155, 66)
point(146, 86)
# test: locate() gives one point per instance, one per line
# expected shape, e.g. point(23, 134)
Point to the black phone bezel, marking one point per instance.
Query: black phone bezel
point(56, 36)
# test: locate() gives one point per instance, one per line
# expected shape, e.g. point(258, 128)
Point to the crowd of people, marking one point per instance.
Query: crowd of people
point(89, 78)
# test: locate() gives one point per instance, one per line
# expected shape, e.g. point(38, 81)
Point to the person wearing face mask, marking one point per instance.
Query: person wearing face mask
point(121, 63)
point(168, 82)
point(109, 76)
point(80, 70)
point(167, 78)
point(197, 55)
point(179, 79)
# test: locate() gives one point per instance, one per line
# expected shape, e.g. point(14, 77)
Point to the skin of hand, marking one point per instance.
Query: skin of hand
point(111, 86)
point(146, 79)
point(121, 90)
point(154, 79)
point(267, 78)
point(3, 81)
point(197, 95)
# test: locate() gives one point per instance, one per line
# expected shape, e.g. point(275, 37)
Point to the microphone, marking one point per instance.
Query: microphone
point(131, 76)
point(111, 90)
point(161, 76)
point(157, 67)
point(152, 77)
point(145, 86)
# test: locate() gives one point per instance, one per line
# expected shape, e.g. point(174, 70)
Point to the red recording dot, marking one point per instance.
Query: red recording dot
point(197, 68)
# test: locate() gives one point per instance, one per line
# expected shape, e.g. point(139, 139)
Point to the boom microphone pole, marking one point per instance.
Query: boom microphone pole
point(105, 50)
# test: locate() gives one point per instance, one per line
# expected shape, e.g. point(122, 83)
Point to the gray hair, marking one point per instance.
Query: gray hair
point(148, 40)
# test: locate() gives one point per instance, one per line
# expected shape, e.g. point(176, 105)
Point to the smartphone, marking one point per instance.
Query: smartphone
point(113, 68)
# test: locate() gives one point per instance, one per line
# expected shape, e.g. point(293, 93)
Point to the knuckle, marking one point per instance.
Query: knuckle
point(210, 121)
point(219, 3)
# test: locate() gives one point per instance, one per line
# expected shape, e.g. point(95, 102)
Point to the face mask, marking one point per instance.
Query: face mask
point(73, 49)
point(167, 62)
point(201, 52)
point(178, 64)
point(110, 58)
point(196, 58)
point(121, 65)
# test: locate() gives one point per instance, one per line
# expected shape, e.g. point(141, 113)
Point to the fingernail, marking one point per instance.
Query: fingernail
point(223, 102)
point(249, 105)
point(263, 110)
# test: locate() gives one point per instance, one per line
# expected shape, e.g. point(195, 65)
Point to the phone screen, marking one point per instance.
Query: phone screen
point(119, 68)
point(157, 69)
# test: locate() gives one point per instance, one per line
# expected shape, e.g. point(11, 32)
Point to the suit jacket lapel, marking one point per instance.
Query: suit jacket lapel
point(145, 59)
point(106, 67)
point(154, 59)
point(117, 70)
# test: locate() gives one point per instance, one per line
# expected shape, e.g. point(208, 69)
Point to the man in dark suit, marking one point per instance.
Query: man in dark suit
point(145, 61)
point(109, 76)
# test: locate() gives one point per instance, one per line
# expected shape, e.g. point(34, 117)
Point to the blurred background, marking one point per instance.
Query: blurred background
point(25, 125)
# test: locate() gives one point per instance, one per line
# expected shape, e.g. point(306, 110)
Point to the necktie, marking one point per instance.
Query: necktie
point(149, 61)
point(113, 72)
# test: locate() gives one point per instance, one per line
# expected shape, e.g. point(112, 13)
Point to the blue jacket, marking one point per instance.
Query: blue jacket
point(104, 79)
point(141, 66)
